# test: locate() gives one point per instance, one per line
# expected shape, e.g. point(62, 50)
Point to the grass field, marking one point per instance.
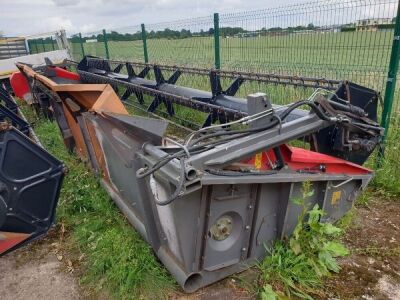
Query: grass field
point(358, 56)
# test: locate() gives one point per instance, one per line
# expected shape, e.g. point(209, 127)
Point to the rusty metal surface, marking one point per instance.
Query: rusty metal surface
point(76, 98)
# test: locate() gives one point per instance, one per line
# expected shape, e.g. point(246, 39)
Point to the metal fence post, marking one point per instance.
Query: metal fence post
point(29, 46)
point(81, 42)
point(44, 47)
point(106, 44)
point(390, 84)
point(36, 47)
point(217, 49)
point(52, 43)
point(145, 54)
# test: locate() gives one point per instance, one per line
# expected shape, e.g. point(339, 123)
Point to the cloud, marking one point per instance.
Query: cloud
point(54, 23)
point(23, 17)
point(88, 27)
point(65, 2)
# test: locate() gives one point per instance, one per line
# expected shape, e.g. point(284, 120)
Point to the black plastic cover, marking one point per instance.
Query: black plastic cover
point(30, 183)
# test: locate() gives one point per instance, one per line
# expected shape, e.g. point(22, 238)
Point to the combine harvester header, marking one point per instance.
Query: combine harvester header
point(209, 204)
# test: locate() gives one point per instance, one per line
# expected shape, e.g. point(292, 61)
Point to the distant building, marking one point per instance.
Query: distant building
point(373, 24)
point(91, 41)
point(248, 34)
point(328, 29)
point(304, 31)
point(275, 33)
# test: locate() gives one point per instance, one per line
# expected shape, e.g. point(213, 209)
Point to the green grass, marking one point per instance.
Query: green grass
point(305, 53)
point(298, 267)
point(114, 256)
point(285, 273)
point(388, 175)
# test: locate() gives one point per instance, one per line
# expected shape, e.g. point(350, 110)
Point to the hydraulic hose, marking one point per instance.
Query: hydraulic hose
point(238, 133)
point(313, 106)
point(229, 135)
point(178, 190)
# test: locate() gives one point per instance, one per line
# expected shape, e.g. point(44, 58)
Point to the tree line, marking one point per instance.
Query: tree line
point(224, 32)
point(184, 33)
point(160, 34)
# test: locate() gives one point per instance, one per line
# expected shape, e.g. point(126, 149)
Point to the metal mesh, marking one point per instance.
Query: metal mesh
point(93, 43)
point(40, 45)
point(76, 50)
point(125, 43)
point(187, 42)
point(312, 39)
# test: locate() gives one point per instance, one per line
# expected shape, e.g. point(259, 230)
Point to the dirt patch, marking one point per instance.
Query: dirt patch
point(372, 271)
point(36, 272)
point(228, 289)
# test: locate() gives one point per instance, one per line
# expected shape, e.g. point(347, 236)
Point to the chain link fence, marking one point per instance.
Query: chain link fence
point(336, 39)
point(184, 42)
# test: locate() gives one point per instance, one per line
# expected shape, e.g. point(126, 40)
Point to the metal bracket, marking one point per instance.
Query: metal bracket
point(342, 183)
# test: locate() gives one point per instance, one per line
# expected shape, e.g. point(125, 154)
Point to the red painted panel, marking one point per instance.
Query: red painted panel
point(10, 239)
point(303, 160)
point(19, 85)
point(60, 72)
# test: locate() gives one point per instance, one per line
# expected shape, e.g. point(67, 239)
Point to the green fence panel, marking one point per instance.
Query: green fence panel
point(30, 46)
point(391, 87)
point(36, 46)
point(184, 42)
point(52, 44)
point(106, 44)
point(392, 74)
point(319, 39)
point(93, 44)
point(76, 50)
point(81, 44)
point(125, 43)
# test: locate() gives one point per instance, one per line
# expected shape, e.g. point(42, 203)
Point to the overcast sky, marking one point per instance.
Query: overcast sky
point(24, 17)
